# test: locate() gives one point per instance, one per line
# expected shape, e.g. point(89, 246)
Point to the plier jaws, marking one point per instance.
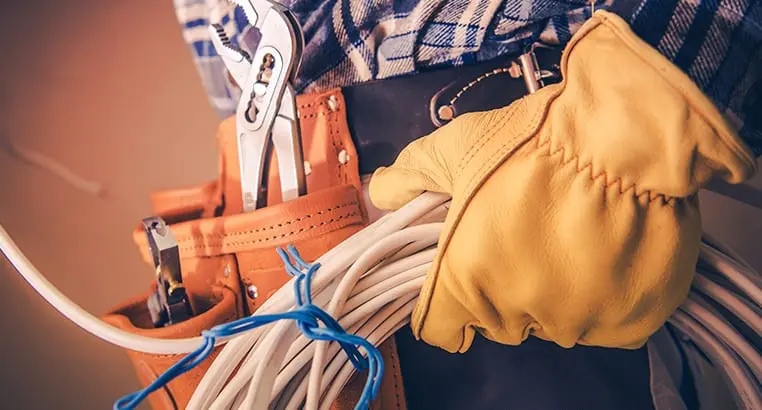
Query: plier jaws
point(236, 60)
point(255, 11)
point(266, 113)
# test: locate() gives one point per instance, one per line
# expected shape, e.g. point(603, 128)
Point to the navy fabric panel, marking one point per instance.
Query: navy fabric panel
point(535, 375)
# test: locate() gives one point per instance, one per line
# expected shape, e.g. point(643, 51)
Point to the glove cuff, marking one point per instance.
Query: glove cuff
point(728, 157)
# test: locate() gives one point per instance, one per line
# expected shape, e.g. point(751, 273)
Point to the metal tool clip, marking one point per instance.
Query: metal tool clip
point(266, 112)
point(169, 305)
point(529, 69)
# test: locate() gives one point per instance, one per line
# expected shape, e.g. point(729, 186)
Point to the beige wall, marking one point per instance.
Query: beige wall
point(108, 88)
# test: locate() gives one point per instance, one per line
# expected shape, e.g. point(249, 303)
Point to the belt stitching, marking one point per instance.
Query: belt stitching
point(393, 351)
point(311, 227)
point(268, 228)
point(332, 132)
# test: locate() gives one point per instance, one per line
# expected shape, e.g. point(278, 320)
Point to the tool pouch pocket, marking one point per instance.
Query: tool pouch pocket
point(228, 260)
point(133, 316)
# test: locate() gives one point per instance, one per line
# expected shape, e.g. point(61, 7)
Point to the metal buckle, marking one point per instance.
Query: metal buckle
point(524, 66)
point(529, 69)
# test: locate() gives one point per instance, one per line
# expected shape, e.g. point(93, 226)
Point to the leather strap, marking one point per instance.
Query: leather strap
point(384, 116)
point(306, 218)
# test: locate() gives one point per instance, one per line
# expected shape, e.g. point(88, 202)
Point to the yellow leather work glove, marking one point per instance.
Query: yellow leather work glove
point(574, 213)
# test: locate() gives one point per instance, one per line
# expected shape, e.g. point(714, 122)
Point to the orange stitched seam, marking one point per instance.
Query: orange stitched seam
point(315, 115)
point(267, 228)
point(581, 167)
point(332, 133)
point(394, 375)
point(313, 104)
point(311, 227)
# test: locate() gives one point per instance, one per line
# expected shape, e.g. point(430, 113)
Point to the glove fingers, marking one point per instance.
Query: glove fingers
point(421, 166)
point(391, 188)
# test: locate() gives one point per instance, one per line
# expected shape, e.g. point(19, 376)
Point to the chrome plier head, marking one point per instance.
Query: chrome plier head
point(266, 112)
point(169, 304)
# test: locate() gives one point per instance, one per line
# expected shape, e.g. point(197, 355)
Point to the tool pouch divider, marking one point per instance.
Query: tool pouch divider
point(228, 259)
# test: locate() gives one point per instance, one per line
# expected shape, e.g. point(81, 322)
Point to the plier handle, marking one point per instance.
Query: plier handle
point(266, 112)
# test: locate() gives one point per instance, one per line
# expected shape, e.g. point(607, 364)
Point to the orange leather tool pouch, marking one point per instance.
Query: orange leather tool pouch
point(228, 259)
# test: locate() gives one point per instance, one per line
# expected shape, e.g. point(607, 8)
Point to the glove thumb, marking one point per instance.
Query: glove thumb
point(426, 164)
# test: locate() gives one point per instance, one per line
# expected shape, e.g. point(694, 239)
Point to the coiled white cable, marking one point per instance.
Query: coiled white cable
point(389, 286)
point(370, 283)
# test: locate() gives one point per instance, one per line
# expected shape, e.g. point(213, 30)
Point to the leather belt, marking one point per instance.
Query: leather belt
point(386, 115)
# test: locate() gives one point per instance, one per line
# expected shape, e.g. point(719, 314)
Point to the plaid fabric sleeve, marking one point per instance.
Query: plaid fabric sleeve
point(195, 16)
point(716, 42)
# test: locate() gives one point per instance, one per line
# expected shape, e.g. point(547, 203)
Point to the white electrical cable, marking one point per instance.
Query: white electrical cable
point(387, 319)
point(696, 307)
point(735, 303)
point(367, 260)
point(747, 280)
point(424, 235)
point(737, 378)
point(300, 362)
point(714, 243)
point(336, 383)
point(370, 283)
point(333, 263)
point(84, 319)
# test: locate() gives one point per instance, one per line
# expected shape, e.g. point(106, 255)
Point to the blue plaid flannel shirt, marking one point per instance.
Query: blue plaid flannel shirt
point(716, 42)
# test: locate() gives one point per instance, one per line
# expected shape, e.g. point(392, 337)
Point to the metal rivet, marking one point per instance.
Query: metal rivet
point(343, 157)
point(307, 168)
point(333, 103)
point(226, 272)
point(260, 89)
point(252, 291)
point(445, 112)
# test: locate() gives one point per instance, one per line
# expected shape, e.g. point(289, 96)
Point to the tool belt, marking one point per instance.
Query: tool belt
point(228, 258)
point(230, 266)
